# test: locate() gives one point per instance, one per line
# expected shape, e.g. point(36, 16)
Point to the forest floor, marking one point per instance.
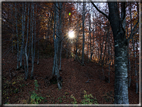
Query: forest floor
point(18, 91)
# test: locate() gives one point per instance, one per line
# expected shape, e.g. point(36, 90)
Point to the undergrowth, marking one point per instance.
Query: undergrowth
point(88, 99)
point(35, 98)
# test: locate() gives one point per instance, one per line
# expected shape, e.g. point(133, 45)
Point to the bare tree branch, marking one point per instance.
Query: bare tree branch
point(132, 33)
point(100, 10)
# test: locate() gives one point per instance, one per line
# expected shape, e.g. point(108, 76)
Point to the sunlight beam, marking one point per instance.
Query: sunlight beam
point(71, 34)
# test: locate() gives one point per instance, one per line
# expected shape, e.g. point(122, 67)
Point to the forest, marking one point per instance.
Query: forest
point(70, 53)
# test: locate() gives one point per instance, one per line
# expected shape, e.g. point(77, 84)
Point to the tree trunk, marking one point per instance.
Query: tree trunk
point(77, 37)
point(90, 36)
point(26, 70)
point(38, 43)
point(32, 51)
point(121, 60)
point(35, 31)
point(60, 36)
point(134, 52)
point(17, 37)
point(129, 64)
point(38, 53)
point(83, 18)
point(57, 45)
point(108, 60)
point(23, 30)
point(12, 23)
point(60, 58)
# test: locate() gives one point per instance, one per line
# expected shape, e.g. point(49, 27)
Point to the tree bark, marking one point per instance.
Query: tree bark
point(26, 70)
point(17, 36)
point(83, 18)
point(134, 52)
point(121, 59)
point(77, 36)
point(32, 51)
point(57, 45)
point(12, 23)
point(23, 30)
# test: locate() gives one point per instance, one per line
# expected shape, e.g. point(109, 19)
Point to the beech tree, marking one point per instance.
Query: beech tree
point(83, 18)
point(120, 42)
point(32, 39)
point(77, 37)
point(134, 48)
point(27, 57)
point(23, 30)
point(57, 42)
point(11, 8)
point(17, 35)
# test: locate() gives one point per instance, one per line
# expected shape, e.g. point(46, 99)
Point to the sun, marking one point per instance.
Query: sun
point(71, 34)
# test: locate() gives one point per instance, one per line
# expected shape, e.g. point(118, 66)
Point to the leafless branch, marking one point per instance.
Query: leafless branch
point(99, 10)
point(132, 32)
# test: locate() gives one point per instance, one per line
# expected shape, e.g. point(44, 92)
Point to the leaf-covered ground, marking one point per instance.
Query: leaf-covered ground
point(18, 91)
